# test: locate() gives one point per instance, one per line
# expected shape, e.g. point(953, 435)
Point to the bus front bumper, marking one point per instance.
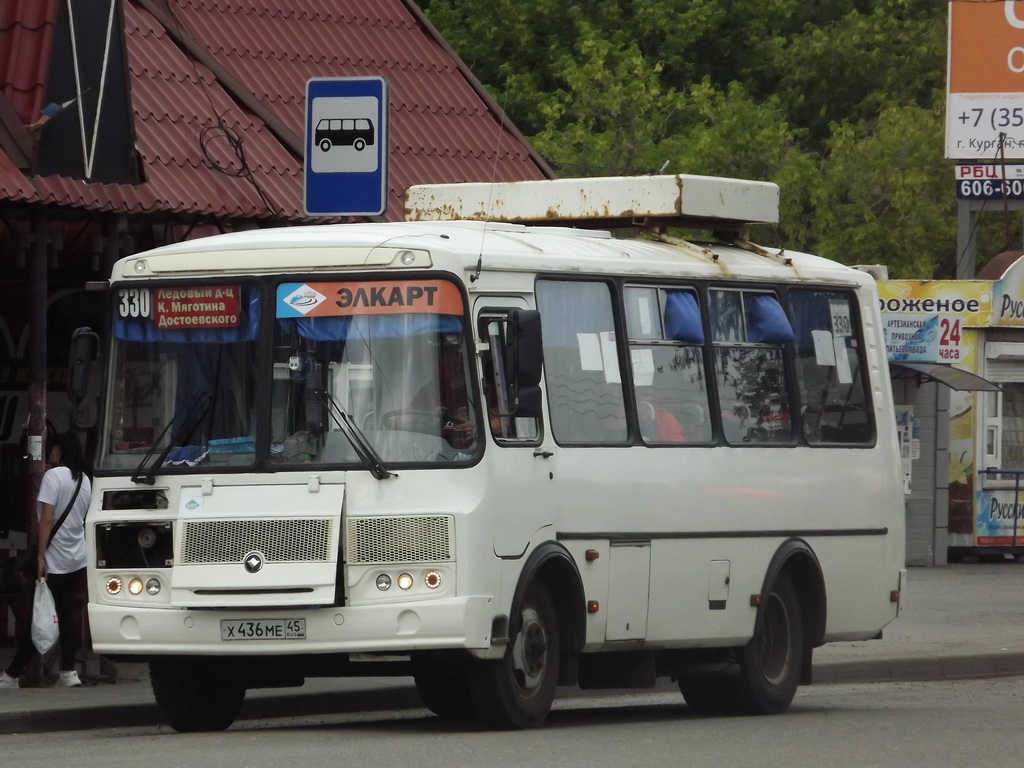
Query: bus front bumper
point(456, 623)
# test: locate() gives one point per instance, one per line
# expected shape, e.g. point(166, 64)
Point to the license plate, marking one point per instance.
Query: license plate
point(263, 629)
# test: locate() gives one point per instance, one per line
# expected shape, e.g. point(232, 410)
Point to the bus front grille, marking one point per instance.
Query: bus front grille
point(415, 539)
point(279, 541)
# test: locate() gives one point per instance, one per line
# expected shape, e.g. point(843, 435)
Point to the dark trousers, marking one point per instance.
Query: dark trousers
point(63, 587)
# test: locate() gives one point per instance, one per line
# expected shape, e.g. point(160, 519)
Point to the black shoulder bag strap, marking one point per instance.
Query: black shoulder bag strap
point(67, 509)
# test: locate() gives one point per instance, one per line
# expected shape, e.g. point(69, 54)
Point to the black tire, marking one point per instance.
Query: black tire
point(709, 694)
point(442, 686)
point(195, 695)
point(769, 665)
point(770, 662)
point(517, 691)
point(359, 144)
point(325, 145)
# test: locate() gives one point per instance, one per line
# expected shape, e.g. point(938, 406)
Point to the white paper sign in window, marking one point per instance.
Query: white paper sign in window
point(643, 366)
point(842, 323)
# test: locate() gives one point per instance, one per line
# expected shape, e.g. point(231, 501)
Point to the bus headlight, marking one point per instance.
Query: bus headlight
point(404, 581)
point(153, 586)
point(113, 585)
point(383, 582)
point(432, 579)
point(135, 586)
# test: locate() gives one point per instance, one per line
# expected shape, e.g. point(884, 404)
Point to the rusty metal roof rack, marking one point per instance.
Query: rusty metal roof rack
point(655, 202)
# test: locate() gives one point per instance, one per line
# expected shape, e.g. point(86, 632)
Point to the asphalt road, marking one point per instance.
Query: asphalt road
point(938, 724)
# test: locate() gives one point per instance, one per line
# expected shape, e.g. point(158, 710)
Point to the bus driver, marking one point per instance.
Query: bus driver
point(448, 396)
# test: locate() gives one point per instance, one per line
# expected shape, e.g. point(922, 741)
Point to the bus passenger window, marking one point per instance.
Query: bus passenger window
point(666, 335)
point(829, 371)
point(750, 330)
point(581, 362)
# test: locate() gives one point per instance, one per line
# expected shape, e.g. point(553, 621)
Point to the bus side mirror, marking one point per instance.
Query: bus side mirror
point(527, 352)
point(85, 348)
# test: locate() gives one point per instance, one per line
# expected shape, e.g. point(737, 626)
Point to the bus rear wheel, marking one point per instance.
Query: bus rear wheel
point(769, 665)
point(195, 695)
point(708, 694)
point(770, 662)
point(517, 691)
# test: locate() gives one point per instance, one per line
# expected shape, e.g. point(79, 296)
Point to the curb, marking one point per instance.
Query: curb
point(920, 669)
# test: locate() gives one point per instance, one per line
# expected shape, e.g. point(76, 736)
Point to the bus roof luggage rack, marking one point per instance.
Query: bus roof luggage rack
point(702, 202)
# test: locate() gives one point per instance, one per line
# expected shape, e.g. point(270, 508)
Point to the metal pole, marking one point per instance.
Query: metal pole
point(36, 427)
point(966, 242)
point(1016, 506)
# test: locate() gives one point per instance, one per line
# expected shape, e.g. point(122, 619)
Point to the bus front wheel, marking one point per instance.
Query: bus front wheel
point(195, 695)
point(359, 144)
point(441, 683)
point(518, 690)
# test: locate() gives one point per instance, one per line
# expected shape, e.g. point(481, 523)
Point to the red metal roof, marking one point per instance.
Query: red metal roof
point(443, 126)
point(13, 184)
point(26, 36)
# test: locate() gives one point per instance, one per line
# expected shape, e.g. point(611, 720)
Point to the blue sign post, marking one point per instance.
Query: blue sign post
point(346, 146)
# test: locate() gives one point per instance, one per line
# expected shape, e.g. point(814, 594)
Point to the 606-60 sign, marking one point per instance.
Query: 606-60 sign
point(990, 189)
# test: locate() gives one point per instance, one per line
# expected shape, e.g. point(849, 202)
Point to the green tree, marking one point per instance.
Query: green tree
point(840, 102)
point(511, 46)
point(851, 69)
point(611, 112)
point(886, 195)
point(729, 134)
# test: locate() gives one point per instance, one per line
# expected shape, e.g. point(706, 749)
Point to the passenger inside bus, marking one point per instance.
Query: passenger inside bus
point(658, 425)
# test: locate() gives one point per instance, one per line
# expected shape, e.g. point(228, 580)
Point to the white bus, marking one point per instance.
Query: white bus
point(497, 458)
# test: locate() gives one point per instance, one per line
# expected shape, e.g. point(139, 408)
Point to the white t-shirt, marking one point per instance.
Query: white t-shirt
point(66, 553)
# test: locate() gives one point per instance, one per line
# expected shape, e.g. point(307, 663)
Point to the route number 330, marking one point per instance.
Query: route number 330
point(134, 302)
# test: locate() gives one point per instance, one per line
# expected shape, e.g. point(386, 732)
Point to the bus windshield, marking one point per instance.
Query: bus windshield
point(364, 380)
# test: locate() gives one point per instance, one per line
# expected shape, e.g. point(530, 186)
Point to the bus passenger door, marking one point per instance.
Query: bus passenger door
point(518, 484)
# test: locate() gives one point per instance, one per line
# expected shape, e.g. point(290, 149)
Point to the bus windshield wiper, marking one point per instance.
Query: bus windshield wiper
point(362, 446)
point(189, 417)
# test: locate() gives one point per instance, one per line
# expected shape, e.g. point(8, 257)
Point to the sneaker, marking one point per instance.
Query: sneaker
point(68, 680)
point(6, 681)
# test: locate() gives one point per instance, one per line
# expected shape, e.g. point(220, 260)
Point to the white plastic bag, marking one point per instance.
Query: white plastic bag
point(44, 619)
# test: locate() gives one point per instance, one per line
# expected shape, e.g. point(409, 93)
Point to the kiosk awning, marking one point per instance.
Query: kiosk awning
point(954, 378)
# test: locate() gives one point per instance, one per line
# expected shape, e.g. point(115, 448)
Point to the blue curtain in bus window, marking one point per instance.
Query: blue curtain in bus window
point(811, 312)
point(766, 320)
point(376, 326)
point(682, 317)
point(127, 329)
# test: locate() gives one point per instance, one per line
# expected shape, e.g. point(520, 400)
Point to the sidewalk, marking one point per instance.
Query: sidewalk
point(959, 621)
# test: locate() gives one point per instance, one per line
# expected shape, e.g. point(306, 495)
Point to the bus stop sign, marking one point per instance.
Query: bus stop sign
point(346, 146)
